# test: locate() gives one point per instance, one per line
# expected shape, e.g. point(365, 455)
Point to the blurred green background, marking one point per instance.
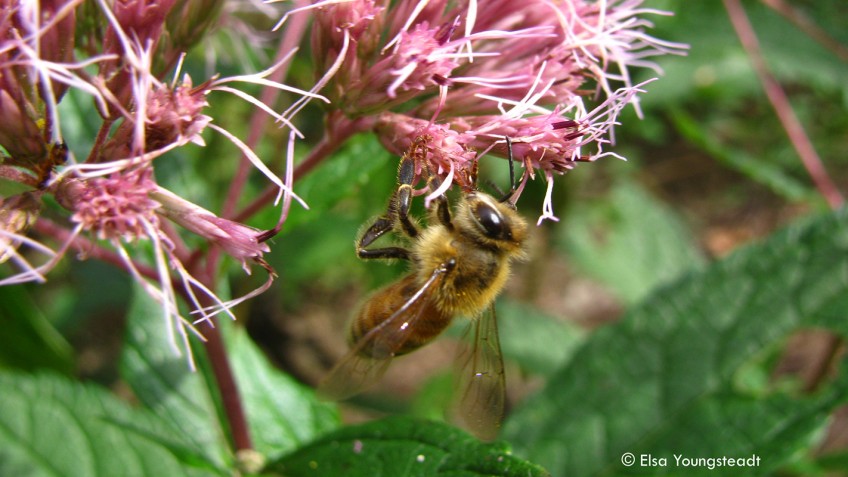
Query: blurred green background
point(709, 169)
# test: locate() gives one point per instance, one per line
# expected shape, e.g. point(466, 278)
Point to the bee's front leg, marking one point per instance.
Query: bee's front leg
point(397, 213)
point(402, 198)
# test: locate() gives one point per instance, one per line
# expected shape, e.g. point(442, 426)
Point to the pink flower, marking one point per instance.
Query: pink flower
point(174, 115)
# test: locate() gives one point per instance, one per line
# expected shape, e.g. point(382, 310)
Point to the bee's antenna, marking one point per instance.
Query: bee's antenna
point(508, 197)
point(511, 165)
point(472, 175)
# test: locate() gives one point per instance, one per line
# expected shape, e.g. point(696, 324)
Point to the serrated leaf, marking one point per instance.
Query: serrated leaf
point(51, 426)
point(164, 383)
point(630, 242)
point(403, 447)
point(662, 381)
point(282, 413)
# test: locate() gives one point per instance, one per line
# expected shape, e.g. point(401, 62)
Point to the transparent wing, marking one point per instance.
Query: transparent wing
point(480, 374)
point(369, 357)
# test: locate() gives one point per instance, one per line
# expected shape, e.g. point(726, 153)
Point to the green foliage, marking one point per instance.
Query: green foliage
point(163, 383)
point(716, 65)
point(713, 100)
point(343, 190)
point(674, 385)
point(763, 170)
point(178, 430)
point(687, 371)
point(283, 415)
point(52, 426)
point(663, 380)
point(629, 241)
point(403, 447)
point(29, 341)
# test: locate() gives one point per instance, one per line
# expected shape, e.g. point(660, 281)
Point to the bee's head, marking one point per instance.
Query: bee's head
point(492, 224)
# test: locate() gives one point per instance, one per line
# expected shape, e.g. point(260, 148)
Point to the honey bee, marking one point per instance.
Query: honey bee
point(460, 262)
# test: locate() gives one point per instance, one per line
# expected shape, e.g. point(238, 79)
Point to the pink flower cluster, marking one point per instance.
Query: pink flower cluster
point(468, 74)
point(116, 53)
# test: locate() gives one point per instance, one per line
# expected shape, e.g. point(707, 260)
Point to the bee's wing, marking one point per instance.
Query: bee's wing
point(369, 357)
point(480, 372)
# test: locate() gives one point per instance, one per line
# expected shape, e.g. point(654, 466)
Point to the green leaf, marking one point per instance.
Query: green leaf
point(51, 426)
point(631, 242)
point(282, 413)
point(164, 383)
point(664, 379)
point(403, 447)
point(29, 341)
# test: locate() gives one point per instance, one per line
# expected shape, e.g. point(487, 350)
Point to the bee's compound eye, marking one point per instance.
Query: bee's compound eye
point(491, 220)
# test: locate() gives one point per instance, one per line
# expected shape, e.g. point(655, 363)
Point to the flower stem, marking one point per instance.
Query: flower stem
point(808, 26)
point(16, 175)
point(102, 135)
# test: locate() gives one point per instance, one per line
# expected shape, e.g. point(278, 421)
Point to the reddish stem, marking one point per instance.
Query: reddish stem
point(88, 248)
point(777, 97)
point(230, 397)
point(16, 175)
point(102, 135)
